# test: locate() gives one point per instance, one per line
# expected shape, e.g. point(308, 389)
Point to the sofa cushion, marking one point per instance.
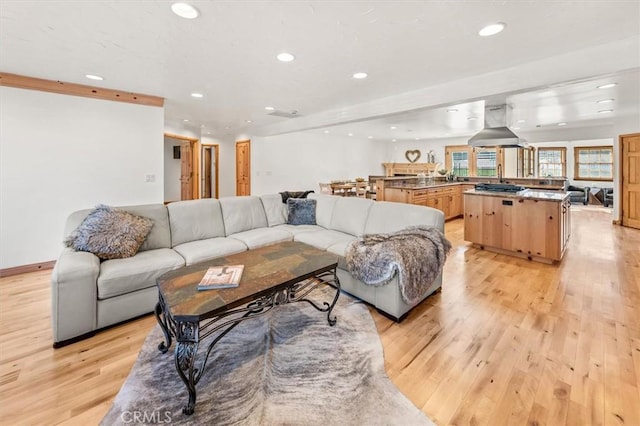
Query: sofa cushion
point(260, 237)
point(110, 233)
point(296, 229)
point(385, 217)
point(242, 214)
point(341, 250)
point(350, 215)
point(199, 251)
point(195, 220)
point(120, 276)
point(324, 238)
point(274, 208)
point(160, 235)
point(301, 211)
point(324, 208)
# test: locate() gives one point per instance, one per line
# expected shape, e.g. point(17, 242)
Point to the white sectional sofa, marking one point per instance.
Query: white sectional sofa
point(89, 294)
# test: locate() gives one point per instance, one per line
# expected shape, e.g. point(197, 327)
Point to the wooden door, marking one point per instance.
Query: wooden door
point(630, 184)
point(206, 172)
point(186, 171)
point(243, 168)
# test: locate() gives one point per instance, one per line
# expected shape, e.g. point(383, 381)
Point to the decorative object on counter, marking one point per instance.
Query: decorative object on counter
point(359, 179)
point(412, 155)
point(443, 172)
point(431, 158)
point(422, 178)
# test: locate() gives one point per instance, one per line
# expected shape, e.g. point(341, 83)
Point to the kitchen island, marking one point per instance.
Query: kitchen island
point(447, 196)
point(531, 224)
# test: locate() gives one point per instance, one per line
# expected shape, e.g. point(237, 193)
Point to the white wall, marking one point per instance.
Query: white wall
point(172, 171)
point(300, 161)
point(61, 153)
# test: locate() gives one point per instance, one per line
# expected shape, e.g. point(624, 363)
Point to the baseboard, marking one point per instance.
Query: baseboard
point(27, 268)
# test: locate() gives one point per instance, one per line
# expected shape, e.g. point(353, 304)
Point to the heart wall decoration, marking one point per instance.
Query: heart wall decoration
point(412, 155)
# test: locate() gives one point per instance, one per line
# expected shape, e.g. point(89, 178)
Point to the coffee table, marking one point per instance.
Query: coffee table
point(273, 275)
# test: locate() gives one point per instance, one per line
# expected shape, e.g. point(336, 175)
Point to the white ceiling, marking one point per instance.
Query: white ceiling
point(228, 54)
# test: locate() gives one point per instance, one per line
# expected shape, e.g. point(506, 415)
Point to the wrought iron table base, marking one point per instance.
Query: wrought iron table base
point(189, 333)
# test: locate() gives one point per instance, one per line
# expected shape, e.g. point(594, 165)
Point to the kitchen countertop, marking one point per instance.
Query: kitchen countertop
point(420, 186)
point(532, 194)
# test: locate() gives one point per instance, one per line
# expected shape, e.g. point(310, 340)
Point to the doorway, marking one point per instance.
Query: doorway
point(209, 172)
point(181, 177)
point(243, 167)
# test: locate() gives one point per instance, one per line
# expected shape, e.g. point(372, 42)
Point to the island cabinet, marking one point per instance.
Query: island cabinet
point(445, 198)
point(533, 225)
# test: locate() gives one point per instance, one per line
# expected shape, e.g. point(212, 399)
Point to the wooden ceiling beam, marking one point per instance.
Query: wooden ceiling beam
point(73, 89)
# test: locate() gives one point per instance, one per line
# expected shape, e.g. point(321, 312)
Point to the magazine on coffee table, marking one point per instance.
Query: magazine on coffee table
point(218, 277)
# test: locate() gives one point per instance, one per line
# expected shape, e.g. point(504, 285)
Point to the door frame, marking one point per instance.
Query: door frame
point(215, 148)
point(195, 161)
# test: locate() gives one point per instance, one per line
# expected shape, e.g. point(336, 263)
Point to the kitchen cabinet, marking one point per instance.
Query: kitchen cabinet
point(535, 225)
point(446, 198)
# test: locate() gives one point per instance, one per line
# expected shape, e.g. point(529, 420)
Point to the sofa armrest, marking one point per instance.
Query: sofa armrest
point(74, 294)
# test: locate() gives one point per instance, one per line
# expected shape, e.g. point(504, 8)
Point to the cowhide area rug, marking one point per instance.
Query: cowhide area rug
point(287, 367)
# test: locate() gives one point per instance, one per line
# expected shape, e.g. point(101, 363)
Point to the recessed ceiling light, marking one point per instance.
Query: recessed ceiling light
point(393, 127)
point(417, 139)
point(605, 111)
point(520, 121)
point(197, 95)
point(492, 29)
point(605, 101)
point(452, 110)
point(285, 57)
point(94, 77)
point(269, 108)
point(186, 120)
point(393, 140)
point(606, 86)
point(472, 118)
point(249, 121)
point(562, 124)
point(326, 131)
point(184, 10)
point(369, 137)
point(350, 134)
point(360, 75)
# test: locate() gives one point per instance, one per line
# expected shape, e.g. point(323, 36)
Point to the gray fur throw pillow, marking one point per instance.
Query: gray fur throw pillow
point(110, 233)
point(302, 211)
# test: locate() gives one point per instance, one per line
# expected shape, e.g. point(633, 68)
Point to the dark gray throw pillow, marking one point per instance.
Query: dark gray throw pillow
point(110, 233)
point(302, 211)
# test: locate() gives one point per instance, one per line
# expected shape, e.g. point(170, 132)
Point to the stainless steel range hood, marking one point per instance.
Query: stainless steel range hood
point(496, 132)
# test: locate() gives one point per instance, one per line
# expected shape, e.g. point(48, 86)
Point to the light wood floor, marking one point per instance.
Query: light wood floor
point(506, 342)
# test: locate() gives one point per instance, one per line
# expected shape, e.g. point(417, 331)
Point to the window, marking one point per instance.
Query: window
point(486, 162)
point(552, 162)
point(460, 163)
point(593, 163)
point(457, 159)
point(467, 161)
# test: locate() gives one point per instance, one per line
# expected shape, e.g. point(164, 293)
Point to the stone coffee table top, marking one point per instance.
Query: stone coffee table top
point(265, 269)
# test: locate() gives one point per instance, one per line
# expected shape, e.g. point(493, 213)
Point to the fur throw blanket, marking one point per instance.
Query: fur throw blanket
point(416, 253)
